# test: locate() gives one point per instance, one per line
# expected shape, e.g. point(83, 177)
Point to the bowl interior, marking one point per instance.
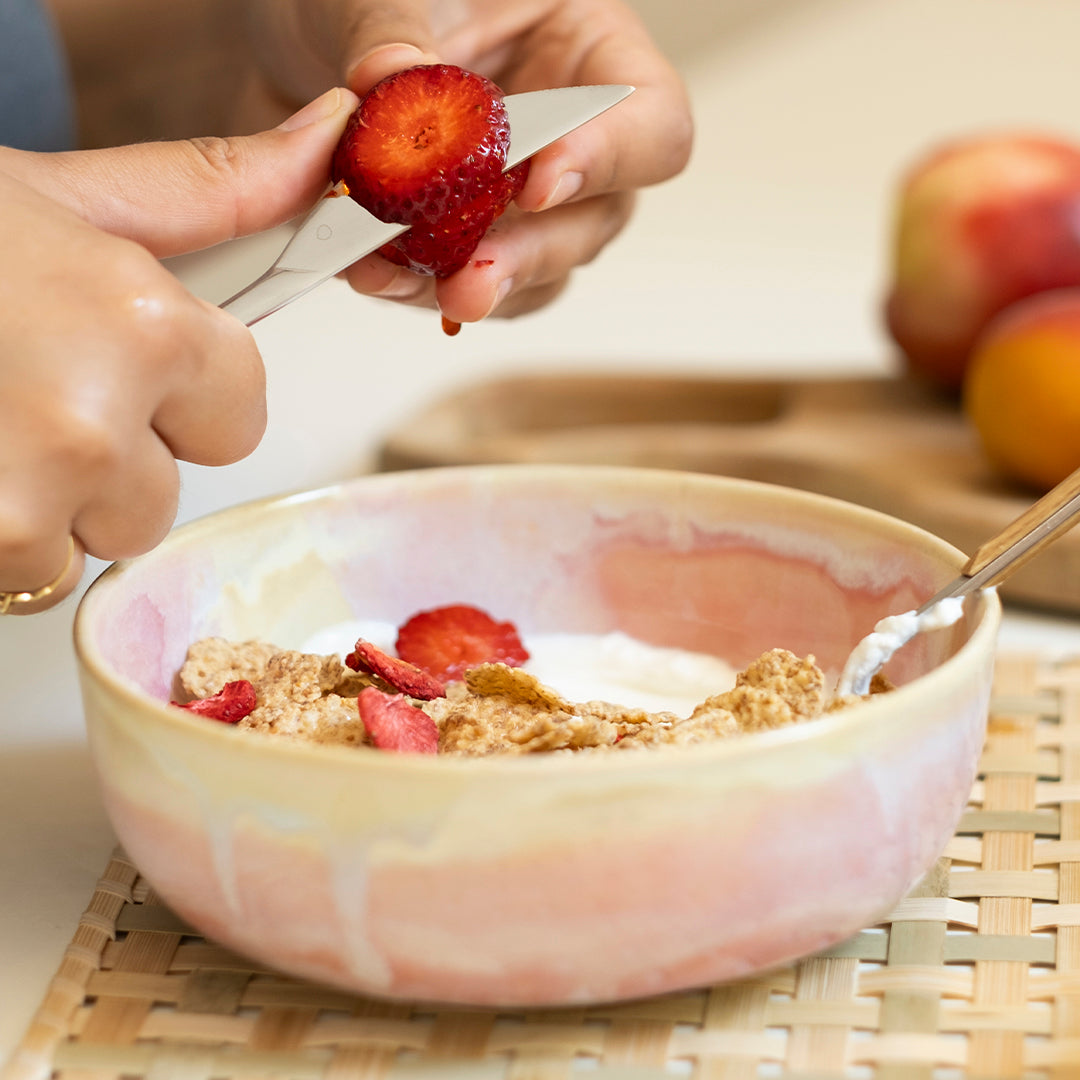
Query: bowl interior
point(721, 566)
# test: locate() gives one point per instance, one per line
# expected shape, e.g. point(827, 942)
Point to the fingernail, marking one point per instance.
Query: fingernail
point(381, 61)
point(322, 108)
point(500, 294)
point(570, 183)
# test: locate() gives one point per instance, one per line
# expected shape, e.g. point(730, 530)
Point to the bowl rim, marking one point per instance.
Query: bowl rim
point(93, 666)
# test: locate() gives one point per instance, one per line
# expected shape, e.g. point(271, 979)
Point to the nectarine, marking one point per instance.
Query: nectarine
point(981, 223)
point(1022, 389)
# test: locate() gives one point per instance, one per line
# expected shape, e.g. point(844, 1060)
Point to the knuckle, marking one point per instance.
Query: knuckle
point(166, 333)
point(31, 557)
point(243, 438)
point(221, 156)
point(221, 162)
point(114, 533)
point(88, 442)
point(152, 300)
point(131, 263)
point(678, 144)
point(620, 209)
point(20, 538)
point(616, 210)
point(220, 421)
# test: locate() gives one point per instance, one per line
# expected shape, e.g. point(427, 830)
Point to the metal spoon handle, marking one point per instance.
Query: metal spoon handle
point(1003, 554)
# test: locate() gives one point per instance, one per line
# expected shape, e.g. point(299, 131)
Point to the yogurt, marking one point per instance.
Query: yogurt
point(612, 667)
point(876, 649)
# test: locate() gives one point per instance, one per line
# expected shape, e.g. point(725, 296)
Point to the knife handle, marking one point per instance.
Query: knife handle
point(268, 293)
point(1041, 524)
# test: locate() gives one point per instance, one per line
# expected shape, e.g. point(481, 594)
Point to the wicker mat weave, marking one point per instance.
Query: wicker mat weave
point(975, 974)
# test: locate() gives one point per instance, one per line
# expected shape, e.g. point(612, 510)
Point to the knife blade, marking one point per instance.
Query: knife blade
point(338, 231)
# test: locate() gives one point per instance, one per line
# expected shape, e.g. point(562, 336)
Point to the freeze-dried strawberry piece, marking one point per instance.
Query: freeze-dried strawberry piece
point(400, 674)
point(426, 147)
point(447, 641)
point(395, 724)
point(230, 704)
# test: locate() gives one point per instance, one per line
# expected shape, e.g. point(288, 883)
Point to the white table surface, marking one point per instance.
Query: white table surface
point(766, 256)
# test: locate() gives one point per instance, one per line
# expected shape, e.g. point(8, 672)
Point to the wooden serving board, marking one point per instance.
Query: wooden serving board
point(888, 443)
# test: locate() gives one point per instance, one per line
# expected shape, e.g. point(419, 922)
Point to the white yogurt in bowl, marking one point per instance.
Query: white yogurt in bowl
point(613, 667)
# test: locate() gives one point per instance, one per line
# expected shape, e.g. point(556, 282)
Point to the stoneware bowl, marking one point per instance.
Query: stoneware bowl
point(544, 879)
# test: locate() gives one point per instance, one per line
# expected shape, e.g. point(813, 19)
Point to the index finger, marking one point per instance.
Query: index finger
point(643, 140)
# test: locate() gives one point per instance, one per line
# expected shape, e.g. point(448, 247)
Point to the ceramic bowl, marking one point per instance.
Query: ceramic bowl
point(538, 880)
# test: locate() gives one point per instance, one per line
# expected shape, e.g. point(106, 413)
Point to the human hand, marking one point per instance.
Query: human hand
point(110, 371)
point(584, 184)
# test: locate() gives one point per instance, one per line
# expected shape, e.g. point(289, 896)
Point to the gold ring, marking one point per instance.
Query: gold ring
point(32, 595)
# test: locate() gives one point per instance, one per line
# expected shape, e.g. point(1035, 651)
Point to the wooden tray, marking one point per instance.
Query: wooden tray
point(887, 443)
point(975, 974)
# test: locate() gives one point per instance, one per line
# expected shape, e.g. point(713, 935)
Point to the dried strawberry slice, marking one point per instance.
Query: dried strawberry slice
point(230, 704)
point(393, 723)
point(447, 641)
point(400, 674)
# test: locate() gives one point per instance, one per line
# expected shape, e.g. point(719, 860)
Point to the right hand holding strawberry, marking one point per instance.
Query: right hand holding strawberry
point(580, 190)
point(427, 148)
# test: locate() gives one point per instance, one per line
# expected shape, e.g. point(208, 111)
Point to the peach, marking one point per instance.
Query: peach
point(1022, 388)
point(981, 223)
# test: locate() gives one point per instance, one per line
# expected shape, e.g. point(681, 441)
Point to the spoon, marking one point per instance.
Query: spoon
point(1042, 523)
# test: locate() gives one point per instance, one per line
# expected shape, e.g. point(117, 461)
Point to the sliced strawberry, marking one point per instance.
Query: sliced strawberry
point(433, 247)
point(395, 724)
point(447, 641)
point(426, 147)
point(400, 674)
point(230, 704)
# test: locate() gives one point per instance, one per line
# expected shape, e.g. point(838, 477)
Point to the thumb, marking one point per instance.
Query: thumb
point(175, 197)
point(374, 64)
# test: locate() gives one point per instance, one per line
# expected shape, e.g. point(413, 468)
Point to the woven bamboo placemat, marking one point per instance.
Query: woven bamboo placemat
point(975, 974)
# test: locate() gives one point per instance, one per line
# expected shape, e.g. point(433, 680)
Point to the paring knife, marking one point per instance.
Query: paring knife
point(338, 231)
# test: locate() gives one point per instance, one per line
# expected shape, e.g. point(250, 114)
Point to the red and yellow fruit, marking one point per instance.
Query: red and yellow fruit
point(981, 224)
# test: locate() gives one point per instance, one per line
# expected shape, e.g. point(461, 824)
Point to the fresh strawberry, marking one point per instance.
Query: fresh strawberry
point(447, 641)
point(395, 724)
point(442, 246)
point(426, 148)
point(230, 704)
point(400, 674)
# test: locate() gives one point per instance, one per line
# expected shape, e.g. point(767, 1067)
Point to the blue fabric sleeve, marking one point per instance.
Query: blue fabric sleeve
point(36, 108)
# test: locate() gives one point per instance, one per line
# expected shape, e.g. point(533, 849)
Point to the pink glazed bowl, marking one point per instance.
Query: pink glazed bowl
point(538, 880)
